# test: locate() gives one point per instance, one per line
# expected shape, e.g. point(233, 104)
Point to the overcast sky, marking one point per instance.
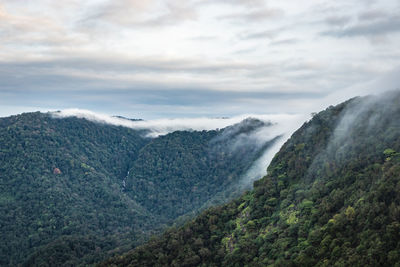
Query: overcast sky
point(167, 58)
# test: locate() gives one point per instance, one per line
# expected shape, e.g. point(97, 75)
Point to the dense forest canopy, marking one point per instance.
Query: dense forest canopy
point(73, 191)
point(331, 198)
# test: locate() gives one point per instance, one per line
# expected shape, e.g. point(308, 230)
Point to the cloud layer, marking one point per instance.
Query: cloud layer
point(281, 123)
point(168, 58)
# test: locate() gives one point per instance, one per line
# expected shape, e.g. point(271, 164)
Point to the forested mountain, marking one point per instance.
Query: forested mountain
point(74, 191)
point(177, 173)
point(331, 198)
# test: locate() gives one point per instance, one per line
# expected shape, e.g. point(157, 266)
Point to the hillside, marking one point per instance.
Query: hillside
point(178, 173)
point(60, 180)
point(74, 191)
point(331, 198)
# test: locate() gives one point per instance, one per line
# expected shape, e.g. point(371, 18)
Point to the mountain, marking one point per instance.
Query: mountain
point(73, 191)
point(331, 198)
point(124, 118)
point(60, 179)
point(177, 173)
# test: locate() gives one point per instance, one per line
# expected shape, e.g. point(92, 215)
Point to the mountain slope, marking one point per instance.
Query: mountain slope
point(331, 198)
point(177, 173)
point(73, 191)
point(54, 172)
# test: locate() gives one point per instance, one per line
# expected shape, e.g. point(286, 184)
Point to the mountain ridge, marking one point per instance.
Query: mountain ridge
point(330, 198)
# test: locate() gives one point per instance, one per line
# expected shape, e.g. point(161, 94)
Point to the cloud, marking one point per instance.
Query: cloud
point(170, 87)
point(388, 82)
point(33, 29)
point(243, 3)
point(120, 64)
point(142, 101)
point(177, 58)
point(163, 126)
point(290, 41)
point(204, 38)
point(372, 14)
point(84, 74)
point(270, 34)
point(151, 13)
point(254, 15)
point(338, 20)
point(263, 135)
point(361, 118)
point(376, 27)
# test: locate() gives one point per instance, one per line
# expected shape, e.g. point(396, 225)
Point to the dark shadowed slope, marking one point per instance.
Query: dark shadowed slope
point(331, 198)
point(62, 179)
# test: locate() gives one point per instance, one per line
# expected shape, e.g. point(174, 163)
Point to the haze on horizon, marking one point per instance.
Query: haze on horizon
point(167, 58)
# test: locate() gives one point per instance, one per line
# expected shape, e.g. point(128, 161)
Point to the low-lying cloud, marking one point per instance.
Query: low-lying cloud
point(361, 121)
point(281, 123)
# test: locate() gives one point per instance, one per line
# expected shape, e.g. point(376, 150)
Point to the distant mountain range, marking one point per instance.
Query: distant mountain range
point(124, 118)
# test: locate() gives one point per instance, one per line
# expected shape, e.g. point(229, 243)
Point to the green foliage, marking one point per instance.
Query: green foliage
point(389, 152)
point(44, 209)
point(66, 196)
point(178, 173)
point(334, 201)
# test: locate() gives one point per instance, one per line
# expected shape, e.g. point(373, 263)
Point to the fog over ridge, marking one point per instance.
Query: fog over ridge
point(157, 127)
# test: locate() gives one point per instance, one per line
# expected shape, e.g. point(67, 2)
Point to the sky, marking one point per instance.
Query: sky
point(158, 59)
